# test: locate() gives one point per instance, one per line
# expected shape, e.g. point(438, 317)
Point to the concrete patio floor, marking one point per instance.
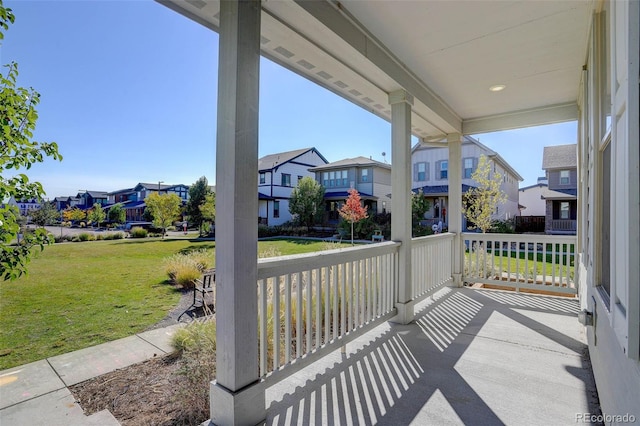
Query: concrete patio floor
point(481, 357)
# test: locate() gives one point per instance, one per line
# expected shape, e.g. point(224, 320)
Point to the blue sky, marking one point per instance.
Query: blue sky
point(128, 91)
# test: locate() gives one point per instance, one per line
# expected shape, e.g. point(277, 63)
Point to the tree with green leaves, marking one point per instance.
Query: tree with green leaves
point(45, 215)
point(197, 196)
point(18, 117)
point(353, 211)
point(74, 214)
point(96, 214)
point(164, 209)
point(481, 202)
point(208, 208)
point(419, 206)
point(307, 201)
point(117, 214)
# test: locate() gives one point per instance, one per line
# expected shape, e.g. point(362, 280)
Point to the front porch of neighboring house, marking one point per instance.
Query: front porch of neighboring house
point(333, 202)
point(452, 354)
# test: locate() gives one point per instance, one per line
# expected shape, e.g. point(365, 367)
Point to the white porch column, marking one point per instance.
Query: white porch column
point(454, 141)
point(237, 396)
point(401, 103)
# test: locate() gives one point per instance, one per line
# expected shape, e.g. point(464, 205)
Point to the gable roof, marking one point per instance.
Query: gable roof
point(560, 156)
point(351, 162)
point(273, 161)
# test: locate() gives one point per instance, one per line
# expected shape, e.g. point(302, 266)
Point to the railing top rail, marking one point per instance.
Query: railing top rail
point(524, 238)
point(282, 265)
point(427, 238)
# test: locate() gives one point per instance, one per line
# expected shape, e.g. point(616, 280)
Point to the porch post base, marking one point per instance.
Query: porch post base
point(244, 407)
point(406, 313)
point(457, 280)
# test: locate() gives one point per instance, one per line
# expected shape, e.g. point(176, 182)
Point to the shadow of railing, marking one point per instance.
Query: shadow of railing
point(398, 374)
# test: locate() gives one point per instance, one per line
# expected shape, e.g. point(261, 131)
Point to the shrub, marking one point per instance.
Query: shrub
point(184, 268)
point(137, 232)
point(197, 344)
point(186, 277)
point(116, 236)
point(100, 237)
point(85, 236)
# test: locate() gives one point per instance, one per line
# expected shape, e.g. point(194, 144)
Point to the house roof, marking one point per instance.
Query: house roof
point(351, 162)
point(345, 194)
point(564, 194)
point(273, 161)
point(537, 185)
point(121, 191)
point(560, 157)
point(94, 194)
point(439, 189)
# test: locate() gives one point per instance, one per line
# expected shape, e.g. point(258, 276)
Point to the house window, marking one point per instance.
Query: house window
point(421, 172)
point(564, 210)
point(344, 175)
point(605, 223)
point(564, 177)
point(286, 179)
point(444, 167)
point(364, 176)
point(263, 177)
point(468, 168)
point(276, 209)
point(325, 179)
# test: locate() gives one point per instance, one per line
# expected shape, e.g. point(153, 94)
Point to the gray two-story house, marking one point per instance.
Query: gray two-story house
point(560, 164)
point(371, 178)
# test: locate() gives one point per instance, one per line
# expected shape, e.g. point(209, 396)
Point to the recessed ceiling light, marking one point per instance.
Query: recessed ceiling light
point(497, 87)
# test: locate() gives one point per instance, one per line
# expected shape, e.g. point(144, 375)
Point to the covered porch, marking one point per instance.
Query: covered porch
point(432, 69)
point(471, 357)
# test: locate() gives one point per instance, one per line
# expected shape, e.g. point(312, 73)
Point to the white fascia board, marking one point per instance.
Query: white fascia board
point(518, 119)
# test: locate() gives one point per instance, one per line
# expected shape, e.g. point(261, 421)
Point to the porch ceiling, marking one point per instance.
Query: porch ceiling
point(446, 54)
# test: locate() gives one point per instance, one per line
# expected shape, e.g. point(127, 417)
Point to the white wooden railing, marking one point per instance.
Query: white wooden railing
point(431, 264)
point(541, 262)
point(321, 301)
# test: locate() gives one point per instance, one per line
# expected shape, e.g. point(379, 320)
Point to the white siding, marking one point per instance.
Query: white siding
point(530, 198)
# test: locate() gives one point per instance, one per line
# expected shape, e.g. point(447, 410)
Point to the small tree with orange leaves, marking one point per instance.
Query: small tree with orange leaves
point(352, 210)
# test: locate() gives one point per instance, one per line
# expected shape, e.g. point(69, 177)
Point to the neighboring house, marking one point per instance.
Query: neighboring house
point(66, 202)
point(132, 199)
point(278, 174)
point(430, 162)
point(89, 198)
point(533, 207)
point(24, 206)
point(371, 178)
point(560, 164)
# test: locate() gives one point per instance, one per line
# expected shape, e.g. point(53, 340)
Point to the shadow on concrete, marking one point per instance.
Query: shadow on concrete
point(470, 357)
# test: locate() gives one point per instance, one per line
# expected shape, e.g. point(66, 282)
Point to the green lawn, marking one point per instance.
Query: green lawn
point(82, 294)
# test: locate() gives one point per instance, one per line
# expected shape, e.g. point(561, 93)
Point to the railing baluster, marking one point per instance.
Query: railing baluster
point(327, 300)
point(263, 327)
point(287, 318)
point(276, 322)
point(309, 294)
point(318, 325)
point(299, 319)
point(334, 280)
point(343, 299)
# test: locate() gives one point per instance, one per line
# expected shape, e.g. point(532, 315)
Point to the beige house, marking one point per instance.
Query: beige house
point(434, 70)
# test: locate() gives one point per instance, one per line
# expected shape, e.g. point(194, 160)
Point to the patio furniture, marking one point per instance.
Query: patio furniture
point(377, 235)
point(202, 287)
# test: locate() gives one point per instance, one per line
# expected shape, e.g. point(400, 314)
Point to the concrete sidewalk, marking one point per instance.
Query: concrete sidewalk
point(38, 394)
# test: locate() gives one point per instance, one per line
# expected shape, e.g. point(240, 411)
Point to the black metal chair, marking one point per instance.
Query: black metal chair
point(203, 287)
